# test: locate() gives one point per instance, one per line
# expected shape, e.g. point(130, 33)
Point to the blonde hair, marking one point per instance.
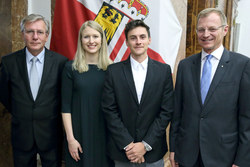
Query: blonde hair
point(79, 62)
point(208, 11)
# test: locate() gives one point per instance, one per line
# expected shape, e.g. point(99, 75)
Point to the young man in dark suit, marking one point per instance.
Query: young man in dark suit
point(30, 90)
point(211, 122)
point(138, 103)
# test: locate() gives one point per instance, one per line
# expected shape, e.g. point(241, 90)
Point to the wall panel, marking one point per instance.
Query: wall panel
point(11, 13)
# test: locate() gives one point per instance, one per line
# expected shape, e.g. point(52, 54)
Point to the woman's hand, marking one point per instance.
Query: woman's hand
point(74, 149)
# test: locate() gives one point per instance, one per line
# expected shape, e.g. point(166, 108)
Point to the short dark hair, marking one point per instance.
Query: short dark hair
point(135, 23)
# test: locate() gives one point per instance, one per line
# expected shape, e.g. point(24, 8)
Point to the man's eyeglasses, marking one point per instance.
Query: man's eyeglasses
point(32, 32)
point(202, 30)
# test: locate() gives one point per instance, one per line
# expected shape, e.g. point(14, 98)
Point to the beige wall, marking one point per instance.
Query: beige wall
point(180, 7)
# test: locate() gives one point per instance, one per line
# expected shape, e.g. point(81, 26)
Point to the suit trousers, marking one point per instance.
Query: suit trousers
point(199, 163)
point(50, 158)
point(159, 163)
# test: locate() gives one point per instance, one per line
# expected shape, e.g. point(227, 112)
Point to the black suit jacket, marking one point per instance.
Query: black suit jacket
point(32, 121)
point(219, 129)
point(127, 120)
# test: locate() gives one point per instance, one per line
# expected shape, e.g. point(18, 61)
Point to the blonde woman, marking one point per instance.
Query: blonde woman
point(82, 84)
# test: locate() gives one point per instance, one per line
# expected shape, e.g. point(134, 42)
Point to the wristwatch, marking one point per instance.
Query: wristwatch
point(147, 146)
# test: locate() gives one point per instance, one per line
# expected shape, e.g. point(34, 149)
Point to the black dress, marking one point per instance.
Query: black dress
point(81, 96)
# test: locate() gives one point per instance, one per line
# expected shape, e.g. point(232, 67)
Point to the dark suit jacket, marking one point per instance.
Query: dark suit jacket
point(32, 121)
point(127, 120)
point(220, 128)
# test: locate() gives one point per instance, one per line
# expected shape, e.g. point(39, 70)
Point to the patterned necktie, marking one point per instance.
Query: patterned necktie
point(206, 77)
point(34, 80)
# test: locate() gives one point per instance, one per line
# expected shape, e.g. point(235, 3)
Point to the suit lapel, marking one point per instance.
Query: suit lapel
point(48, 64)
point(220, 71)
point(129, 77)
point(196, 70)
point(22, 66)
point(148, 79)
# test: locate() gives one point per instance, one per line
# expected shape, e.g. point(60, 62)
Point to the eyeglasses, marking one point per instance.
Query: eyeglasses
point(202, 30)
point(32, 32)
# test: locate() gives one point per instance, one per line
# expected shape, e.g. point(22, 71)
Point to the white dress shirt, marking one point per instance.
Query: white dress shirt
point(214, 60)
point(39, 63)
point(139, 71)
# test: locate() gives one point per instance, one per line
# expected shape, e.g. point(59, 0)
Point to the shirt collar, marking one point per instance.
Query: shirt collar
point(217, 53)
point(136, 64)
point(40, 56)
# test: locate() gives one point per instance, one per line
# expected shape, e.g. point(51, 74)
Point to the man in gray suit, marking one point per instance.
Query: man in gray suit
point(30, 90)
point(211, 121)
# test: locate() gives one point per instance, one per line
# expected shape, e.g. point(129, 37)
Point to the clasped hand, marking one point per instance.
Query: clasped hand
point(135, 152)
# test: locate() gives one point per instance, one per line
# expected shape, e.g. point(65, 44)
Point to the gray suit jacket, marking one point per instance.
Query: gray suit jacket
point(219, 129)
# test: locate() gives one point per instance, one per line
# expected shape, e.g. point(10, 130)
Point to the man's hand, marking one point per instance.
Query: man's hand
point(234, 165)
point(141, 160)
point(135, 152)
point(172, 161)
